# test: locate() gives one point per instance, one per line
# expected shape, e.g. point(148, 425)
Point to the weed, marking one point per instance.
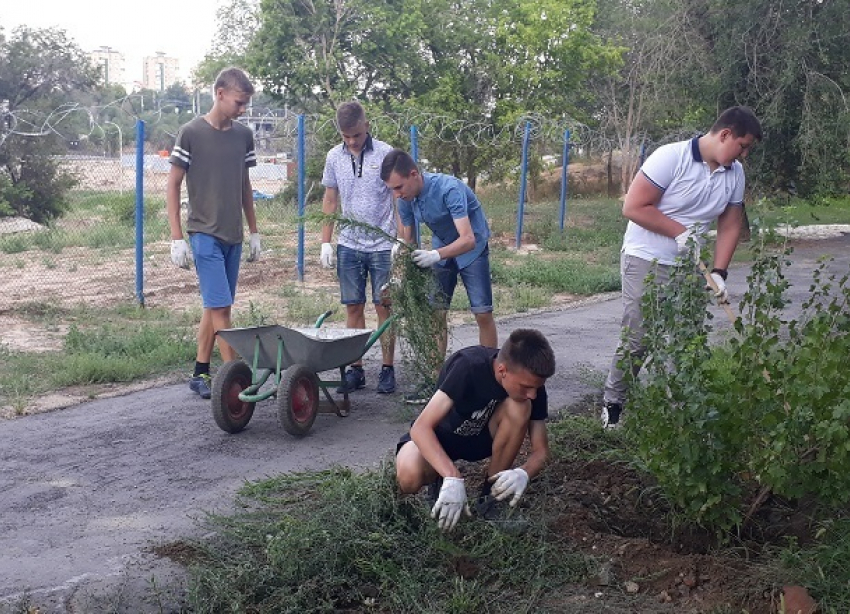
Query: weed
point(822, 567)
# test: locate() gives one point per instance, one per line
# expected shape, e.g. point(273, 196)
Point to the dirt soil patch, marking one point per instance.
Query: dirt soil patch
point(611, 512)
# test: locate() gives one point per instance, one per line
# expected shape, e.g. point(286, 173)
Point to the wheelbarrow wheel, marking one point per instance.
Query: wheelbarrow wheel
point(231, 414)
point(298, 399)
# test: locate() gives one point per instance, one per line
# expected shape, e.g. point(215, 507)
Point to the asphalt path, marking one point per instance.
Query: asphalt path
point(86, 491)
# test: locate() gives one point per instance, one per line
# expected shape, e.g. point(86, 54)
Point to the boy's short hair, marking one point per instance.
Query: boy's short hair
point(397, 161)
point(528, 349)
point(349, 114)
point(740, 120)
point(233, 79)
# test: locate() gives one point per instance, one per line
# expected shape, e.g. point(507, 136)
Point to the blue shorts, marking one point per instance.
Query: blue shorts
point(352, 268)
point(217, 265)
point(476, 280)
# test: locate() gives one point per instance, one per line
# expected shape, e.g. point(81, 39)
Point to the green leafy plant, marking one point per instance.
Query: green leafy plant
point(767, 412)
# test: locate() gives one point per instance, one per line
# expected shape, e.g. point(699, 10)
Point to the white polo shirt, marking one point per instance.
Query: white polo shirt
point(693, 195)
point(363, 195)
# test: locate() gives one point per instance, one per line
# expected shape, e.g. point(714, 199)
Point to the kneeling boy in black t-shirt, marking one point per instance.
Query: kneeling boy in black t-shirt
point(486, 401)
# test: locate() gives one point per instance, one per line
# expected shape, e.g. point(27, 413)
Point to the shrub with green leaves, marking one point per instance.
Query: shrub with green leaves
point(773, 404)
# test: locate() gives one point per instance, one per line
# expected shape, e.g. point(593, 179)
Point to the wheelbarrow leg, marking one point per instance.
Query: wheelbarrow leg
point(334, 406)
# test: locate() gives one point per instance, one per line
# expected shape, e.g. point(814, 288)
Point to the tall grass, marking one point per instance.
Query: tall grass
point(336, 540)
point(101, 346)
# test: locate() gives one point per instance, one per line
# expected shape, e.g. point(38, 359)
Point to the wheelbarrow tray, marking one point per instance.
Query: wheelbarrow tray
point(319, 349)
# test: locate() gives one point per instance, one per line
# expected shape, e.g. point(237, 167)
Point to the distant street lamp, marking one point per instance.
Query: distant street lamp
point(120, 152)
point(108, 51)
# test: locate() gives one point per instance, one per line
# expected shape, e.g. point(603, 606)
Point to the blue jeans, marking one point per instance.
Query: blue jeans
point(476, 280)
point(352, 268)
point(217, 265)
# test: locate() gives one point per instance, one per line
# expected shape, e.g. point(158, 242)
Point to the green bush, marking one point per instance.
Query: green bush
point(32, 184)
point(772, 406)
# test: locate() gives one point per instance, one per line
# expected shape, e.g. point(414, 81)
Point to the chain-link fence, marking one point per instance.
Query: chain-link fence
point(87, 255)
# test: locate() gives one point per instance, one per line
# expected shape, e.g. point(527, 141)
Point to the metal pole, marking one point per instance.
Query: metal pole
point(120, 152)
point(565, 161)
point(414, 153)
point(302, 162)
point(140, 211)
point(522, 184)
point(414, 144)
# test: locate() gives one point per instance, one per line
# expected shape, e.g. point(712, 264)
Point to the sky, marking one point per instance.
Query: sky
point(184, 29)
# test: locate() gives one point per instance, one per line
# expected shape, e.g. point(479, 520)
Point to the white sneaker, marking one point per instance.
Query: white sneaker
point(611, 415)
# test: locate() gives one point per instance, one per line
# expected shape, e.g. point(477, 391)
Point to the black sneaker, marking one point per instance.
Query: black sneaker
point(501, 515)
point(611, 415)
point(201, 385)
point(432, 493)
point(354, 379)
point(386, 380)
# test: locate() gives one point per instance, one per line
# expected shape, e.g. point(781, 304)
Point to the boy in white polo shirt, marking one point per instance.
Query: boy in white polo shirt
point(352, 180)
point(678, 192)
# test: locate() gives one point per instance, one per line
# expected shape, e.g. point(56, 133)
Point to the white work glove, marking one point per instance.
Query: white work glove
point(180, 255)
point(425, 258)
point(328, 257)
point(395, 250)
point(450, 504)
point(254, 247)
point(509, 483)
point(720, 294)
point(683, 241)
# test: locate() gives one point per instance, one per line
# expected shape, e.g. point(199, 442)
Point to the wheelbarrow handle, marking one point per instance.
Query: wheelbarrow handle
point(377, 334)
point(323, 317)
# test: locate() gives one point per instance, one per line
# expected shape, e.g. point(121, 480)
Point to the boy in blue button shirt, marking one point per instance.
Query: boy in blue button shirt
point(459, 242)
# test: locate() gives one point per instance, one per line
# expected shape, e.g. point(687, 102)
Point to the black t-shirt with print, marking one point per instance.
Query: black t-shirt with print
point(467, 378)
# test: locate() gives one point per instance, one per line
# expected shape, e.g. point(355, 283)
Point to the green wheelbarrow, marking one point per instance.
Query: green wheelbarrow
point(294, 357)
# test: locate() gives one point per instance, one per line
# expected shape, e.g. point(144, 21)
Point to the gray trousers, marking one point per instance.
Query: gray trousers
point(633, 272)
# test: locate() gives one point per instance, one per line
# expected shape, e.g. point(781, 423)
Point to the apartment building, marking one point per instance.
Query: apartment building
point(160, 71)
point(111, 62)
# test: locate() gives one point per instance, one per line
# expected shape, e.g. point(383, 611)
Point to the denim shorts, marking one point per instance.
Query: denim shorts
point(476, 280)
point(352, 268)
point(217, 265)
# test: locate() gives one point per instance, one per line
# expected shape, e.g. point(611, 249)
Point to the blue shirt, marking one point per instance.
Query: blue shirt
point(444, 199)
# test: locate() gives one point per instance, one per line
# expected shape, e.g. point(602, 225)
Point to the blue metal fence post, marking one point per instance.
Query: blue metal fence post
point(302, 163)
point(565, 162)
point(140, 211)
point(414, 153)
point(414, 143)
point(522, 184)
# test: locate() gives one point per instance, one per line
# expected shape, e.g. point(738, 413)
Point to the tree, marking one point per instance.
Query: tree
point(35, 67)
point(492, 61)
point(666, 75)
point(788, 60)
point(315, 54)
point(236, 22)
